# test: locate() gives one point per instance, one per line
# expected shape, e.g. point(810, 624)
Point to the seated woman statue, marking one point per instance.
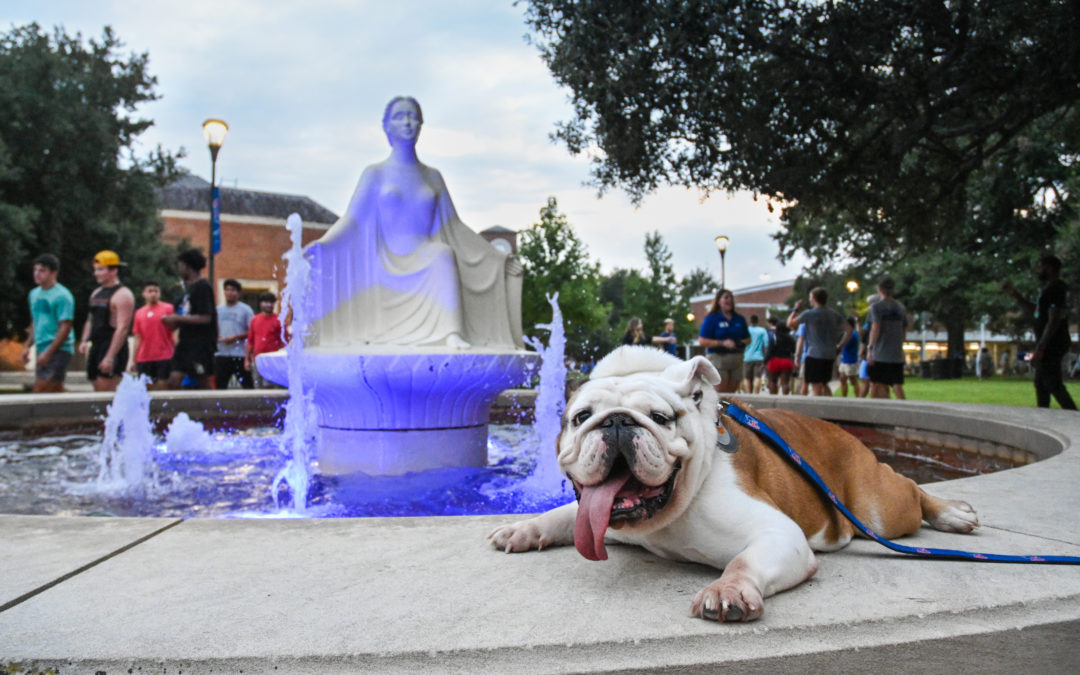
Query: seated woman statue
point(400, 268)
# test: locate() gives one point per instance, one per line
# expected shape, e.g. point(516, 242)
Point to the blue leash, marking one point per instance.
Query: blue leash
point(744, 418)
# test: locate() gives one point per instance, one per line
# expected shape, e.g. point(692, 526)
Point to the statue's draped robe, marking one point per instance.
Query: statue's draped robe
point(453, 282)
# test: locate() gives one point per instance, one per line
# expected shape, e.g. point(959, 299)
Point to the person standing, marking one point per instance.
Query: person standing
point(849, 362)
point(985, 364)
point(234, 322)
point(885, 346)
point(667, 340)
point(635, 333)
point(105, 333)
point(153, 344)
point(826, 333)
point(52, 314)
point(754, 356)
point(196, 320)
point(1051, 331)
point(780, 359)
point(724, 334)
point(264, 336)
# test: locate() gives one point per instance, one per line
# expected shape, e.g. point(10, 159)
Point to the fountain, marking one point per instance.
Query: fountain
point(416, 323)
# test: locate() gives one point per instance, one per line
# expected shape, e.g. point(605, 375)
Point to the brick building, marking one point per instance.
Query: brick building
point(253, 234)
point(762, 300)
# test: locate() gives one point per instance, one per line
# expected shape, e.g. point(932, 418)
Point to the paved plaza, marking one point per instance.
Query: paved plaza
point(430, 595)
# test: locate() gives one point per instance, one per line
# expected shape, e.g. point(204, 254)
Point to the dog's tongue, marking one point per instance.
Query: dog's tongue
point(594, 514)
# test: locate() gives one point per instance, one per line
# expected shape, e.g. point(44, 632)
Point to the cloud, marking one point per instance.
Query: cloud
point(303, 86)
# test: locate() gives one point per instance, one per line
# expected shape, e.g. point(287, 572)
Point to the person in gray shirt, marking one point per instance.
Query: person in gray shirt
point(234, 320)
point(885, 348)
point(826, 333)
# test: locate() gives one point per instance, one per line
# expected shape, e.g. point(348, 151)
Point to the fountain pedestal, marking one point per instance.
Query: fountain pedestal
point(392, 412)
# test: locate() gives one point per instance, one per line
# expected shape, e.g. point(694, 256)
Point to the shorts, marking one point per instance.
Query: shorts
point(97, 353)
point(886, 373)
point(56, 368)
point(849, 369)
point(818, 371)
point(193, 359)
point(864, 370)
point(155, 370)
point(780, 365)
point(729, 365)
point(752, 370)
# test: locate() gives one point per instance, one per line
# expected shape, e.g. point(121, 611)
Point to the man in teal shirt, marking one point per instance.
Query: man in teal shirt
point(52, 312)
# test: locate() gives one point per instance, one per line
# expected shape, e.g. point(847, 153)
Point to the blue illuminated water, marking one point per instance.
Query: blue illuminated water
point(233, 476)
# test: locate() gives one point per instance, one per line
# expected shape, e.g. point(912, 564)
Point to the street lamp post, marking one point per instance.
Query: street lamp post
point(852, 286)
point(721, 246)
point(214, 132)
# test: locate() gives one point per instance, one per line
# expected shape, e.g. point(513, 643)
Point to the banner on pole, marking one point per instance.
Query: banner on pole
point(215, 222)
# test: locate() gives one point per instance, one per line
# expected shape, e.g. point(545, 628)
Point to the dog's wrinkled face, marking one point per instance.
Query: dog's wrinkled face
point(631, 443)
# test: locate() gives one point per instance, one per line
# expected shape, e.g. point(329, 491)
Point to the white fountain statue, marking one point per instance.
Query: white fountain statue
point(417, 322)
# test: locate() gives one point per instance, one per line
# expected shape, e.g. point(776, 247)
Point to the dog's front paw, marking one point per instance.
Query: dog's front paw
point(955, 516)
point(523, 535)
point(729, 598)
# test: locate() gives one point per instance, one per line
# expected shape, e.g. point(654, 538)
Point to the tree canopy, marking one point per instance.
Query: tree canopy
point(71, 183)
point(555, 260)
point(866, 122)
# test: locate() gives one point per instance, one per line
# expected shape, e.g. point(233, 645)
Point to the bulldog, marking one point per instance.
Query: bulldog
point(654, 464)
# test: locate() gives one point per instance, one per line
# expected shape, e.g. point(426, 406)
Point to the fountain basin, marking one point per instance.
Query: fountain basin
point(110, 594)
point(391, 412)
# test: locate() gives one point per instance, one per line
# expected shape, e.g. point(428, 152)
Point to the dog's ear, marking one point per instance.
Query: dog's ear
point(689, 373)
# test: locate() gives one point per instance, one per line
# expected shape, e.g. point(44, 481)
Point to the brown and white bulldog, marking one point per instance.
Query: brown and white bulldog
point(653, 464)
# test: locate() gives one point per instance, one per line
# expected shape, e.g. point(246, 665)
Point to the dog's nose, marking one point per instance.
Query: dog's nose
point(618, 421)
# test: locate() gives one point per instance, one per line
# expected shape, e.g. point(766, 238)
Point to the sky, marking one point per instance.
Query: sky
point(302, 87)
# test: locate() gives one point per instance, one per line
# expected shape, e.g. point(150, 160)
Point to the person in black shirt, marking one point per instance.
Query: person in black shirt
point(196, 320)
point(1050, 310)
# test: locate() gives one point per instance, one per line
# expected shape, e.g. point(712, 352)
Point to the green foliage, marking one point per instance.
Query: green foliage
point(778, 97)
point(556, 261)
point(70, 182)
point(940, 136)
point(656, 295)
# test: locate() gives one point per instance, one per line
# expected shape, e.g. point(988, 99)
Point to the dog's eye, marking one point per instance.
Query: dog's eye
point(580, 418)
point(661, 419)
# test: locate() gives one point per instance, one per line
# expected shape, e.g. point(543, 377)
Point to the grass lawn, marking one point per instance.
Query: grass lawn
point(1015, 390)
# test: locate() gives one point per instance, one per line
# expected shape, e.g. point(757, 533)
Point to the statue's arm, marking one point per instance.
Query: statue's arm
point(469, 246)
point(360, 204)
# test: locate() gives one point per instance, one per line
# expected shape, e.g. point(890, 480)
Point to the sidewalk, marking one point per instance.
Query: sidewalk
point(430, 595)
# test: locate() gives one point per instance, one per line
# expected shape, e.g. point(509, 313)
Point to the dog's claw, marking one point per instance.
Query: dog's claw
point(732, 612)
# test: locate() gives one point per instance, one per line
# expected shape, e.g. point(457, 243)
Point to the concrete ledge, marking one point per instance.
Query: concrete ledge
point(417, 594)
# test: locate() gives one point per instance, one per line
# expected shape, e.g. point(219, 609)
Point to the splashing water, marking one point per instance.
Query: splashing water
point(124, 458)
point(551, 399)
point(300, 429)
point(186, 435)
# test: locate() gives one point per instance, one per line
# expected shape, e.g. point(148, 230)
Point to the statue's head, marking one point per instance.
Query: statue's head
point(402, 119)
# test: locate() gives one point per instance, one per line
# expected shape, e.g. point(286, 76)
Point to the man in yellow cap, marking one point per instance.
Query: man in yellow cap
point(104, 336)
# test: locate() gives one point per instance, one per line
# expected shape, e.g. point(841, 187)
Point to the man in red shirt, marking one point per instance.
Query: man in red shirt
point(264, 335)
point(153, 339)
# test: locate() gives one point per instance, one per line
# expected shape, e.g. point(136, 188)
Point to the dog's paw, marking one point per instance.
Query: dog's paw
point(955, 516)
point(729, 598)
point(523, 535)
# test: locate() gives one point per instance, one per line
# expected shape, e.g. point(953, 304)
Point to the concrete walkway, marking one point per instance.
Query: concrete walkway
point(428, 594)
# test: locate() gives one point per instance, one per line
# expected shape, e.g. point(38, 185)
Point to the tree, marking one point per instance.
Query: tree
point(867, 122)
point(70, 182)
point(555, 260)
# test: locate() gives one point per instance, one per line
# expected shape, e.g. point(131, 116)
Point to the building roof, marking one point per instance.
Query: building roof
point(499, 229)
point(192, 193)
